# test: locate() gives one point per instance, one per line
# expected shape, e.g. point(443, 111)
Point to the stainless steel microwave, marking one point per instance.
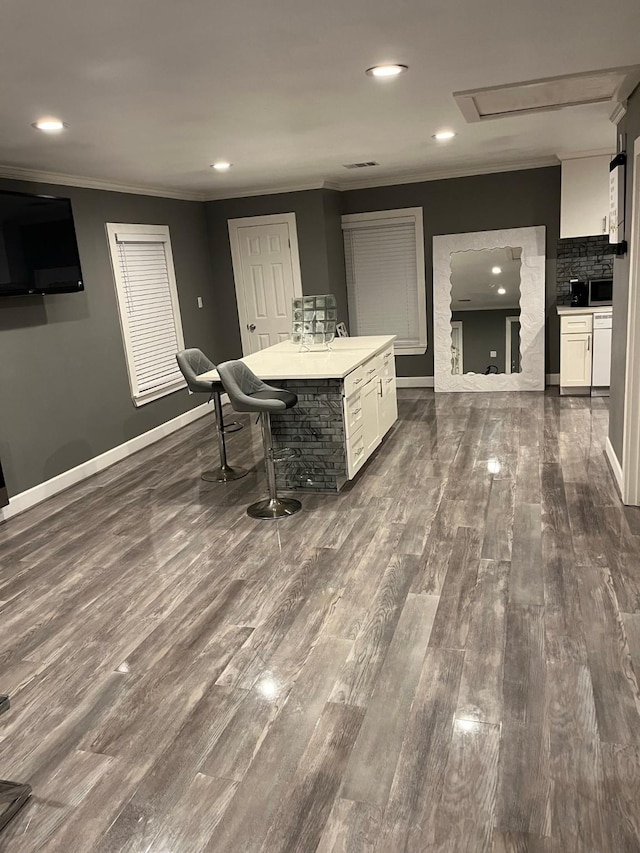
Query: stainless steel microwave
point(601, 291)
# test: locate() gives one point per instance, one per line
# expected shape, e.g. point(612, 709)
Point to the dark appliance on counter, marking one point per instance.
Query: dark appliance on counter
point(579, 294)
point(601, 291)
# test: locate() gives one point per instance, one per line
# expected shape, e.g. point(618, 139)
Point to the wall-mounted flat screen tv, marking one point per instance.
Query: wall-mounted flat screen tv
point(38, 248)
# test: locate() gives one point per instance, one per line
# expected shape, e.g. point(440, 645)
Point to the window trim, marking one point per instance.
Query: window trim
point(352, 221)
point(152, 234)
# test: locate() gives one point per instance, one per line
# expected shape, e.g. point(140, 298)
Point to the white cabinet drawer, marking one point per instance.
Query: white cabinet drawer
point(354, 381)
point(355, 453)
point(371, 368)
point(352, 412)
point(388, 363)
point(388, 386)
point(578, 323)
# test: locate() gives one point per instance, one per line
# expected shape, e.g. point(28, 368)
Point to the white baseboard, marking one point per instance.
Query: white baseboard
point(37, 494)
point(427, 381)
point(616, 467)
point(414, 381)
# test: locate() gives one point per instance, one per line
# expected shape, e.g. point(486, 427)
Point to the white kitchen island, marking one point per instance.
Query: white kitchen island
point(346, 405)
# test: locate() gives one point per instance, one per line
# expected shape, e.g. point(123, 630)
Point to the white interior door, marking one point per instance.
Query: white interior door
point(267, 277)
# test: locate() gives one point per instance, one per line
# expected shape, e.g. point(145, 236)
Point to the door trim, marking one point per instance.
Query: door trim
point(457, 324)
point(631, 422)
point(248, 221)
point(507, 340)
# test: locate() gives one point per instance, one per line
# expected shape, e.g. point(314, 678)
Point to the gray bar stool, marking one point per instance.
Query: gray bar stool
point(192, 362)
point(247, 393)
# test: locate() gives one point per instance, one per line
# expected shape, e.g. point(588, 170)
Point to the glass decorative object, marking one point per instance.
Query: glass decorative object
point(313, 320)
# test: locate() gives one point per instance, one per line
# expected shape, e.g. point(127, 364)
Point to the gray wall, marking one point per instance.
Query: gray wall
point(321, 255)
point(630, 127)
point(482, 332)
point(64, 392)
point(478, 203)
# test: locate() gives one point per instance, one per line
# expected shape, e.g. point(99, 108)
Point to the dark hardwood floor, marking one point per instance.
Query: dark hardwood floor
point(441, 658)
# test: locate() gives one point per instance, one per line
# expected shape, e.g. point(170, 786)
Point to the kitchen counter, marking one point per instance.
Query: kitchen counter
point(285, 361)
point(587, 309)
point(346, 405)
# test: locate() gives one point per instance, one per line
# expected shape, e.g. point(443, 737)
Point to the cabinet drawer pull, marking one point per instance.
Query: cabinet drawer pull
point(359, 452)
point(357, 381)
point(588, 343)
point(356, 411)
point(369, 372)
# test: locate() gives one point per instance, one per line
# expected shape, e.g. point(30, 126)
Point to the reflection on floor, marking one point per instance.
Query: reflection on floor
point(443, 657)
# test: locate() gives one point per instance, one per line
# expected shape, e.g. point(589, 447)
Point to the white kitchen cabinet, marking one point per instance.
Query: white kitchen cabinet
point(370, 423)
point(584, 202)
point(370, 408)
point(575, 360)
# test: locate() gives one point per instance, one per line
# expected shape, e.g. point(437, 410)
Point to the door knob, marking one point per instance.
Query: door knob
point(251, 327)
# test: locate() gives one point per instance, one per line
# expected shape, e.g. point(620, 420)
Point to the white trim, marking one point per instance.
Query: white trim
point(43, 177)
point(507, 341)
point(532, 309)
point(25, 500)
point(118, 232)
point(631, 422)
point(553, 378)
point(616, 468)
point(234, 225)
point(414, 381)
point(409, 177)
point(409, 215)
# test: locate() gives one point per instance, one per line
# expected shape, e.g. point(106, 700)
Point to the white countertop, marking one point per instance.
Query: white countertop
point(285, 361)
point(587, 309)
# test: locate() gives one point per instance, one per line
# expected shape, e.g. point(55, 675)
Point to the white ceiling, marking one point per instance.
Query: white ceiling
point(471, 278)
point(155, 90)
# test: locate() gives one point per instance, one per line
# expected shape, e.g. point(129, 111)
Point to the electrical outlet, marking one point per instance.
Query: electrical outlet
point(493, 354)
point(200, 302)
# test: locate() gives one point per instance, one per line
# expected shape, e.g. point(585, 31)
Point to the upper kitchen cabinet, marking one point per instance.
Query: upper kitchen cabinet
point(584, 206)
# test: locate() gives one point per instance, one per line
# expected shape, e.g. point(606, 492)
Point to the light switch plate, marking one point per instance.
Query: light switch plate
point(493, 354)
point(199, 301)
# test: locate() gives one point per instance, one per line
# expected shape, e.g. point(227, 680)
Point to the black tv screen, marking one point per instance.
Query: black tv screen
point(38, 248)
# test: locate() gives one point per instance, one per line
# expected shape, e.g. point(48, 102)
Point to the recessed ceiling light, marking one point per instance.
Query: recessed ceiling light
point(496, 270)
point(443, 135)
point(221, 165)
point(49, 125)
point(501, 291)
point(386, 70)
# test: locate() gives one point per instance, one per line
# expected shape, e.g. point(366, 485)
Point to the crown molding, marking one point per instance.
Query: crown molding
point(274, 189)
point(38, 176)
point(618, 112)
point(445, 174)
point(593, 152)
point(20, 174)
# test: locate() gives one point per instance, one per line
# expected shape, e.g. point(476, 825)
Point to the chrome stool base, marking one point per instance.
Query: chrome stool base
point(224, 474)
point(274, 508)
point(234, 426)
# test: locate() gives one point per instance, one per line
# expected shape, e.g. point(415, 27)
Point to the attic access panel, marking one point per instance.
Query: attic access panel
point(609, 85)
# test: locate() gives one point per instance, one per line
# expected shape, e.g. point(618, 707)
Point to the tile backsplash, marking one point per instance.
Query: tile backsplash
point(582, 258)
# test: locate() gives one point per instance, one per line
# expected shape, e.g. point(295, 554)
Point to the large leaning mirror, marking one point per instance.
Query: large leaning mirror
point(489, 297)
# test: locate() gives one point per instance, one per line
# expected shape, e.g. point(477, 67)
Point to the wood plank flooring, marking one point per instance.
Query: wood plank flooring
point(444, 657)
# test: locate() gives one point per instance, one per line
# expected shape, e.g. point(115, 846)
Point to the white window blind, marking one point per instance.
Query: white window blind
point(384, 258)
point(149, 309)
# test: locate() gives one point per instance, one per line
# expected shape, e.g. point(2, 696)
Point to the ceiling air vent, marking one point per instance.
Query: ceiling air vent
point(365, 165)
point(610, 85)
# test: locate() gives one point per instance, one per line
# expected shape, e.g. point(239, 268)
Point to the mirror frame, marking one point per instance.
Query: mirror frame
point(532, 309)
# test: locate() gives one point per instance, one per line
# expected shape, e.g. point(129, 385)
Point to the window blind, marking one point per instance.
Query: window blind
point(383, 282)
point(150, 316)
